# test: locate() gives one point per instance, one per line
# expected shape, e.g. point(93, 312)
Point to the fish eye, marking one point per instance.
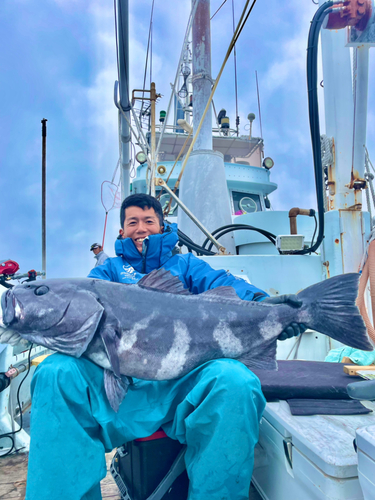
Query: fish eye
point(41, 290)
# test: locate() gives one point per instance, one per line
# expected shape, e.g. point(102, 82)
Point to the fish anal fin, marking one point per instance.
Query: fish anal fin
point(115, 388)
point(265, 360)
point(109, 338)
point(163, 281)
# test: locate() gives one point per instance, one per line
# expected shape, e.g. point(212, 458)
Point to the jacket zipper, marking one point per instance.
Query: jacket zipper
point(144, 254)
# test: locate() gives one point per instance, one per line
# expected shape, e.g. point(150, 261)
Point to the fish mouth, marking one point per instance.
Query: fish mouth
point(8, 309)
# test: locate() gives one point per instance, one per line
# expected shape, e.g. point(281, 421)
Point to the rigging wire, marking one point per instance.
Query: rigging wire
point(213, 15)
point(260, 115)
point(235, 73)
point(241, 23)
point(146, 62)
point(184, 46)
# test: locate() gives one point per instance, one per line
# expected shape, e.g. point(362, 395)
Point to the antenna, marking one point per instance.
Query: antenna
point(260, 116)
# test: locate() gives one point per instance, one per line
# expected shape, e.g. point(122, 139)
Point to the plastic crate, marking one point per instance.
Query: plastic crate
point(151, 468)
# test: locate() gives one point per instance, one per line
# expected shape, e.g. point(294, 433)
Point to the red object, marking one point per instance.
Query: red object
point(8, 267)
point(354, 13)
point(32, 274)
point(156, 435)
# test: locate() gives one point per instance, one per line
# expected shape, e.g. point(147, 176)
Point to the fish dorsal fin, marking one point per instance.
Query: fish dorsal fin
point(161, 280)
point(221, 292)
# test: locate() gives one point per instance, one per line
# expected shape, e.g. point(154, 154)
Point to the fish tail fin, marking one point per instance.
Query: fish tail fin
point(115, 388)
point(331, 309)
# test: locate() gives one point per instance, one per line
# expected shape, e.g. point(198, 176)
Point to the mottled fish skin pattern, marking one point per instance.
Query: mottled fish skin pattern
point(158, 336)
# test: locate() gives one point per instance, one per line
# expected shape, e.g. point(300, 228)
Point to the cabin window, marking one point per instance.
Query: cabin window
point(245, 203)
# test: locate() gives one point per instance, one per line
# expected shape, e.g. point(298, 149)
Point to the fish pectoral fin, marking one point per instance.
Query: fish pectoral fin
point(163, 281)
point(72, 343)
point(115, 388)
point(109, 338)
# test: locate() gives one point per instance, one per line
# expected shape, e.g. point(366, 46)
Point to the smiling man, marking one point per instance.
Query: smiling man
point(215, 409)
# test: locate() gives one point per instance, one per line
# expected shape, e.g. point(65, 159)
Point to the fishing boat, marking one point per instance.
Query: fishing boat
point(216, 183)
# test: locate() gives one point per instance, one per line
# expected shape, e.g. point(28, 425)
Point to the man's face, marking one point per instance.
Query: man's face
point(97, 250)
point(140, 223)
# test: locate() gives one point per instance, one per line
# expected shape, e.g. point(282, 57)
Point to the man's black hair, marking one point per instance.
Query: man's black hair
point(143, 201)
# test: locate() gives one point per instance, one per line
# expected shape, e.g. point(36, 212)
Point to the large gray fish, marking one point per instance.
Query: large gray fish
point(136, 331)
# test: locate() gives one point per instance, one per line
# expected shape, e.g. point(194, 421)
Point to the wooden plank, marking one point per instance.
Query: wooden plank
point(352, 369)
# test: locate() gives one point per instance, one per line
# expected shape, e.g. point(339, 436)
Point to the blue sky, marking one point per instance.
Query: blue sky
point(58, 62)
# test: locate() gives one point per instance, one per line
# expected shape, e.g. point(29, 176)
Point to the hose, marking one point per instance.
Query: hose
point(312, 86)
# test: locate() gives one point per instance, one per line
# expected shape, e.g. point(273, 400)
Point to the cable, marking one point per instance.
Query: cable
point(185, 240)
point(312, 89)
point(237, 227)
point(248, 228)
point(10, 434)
point(316, 227)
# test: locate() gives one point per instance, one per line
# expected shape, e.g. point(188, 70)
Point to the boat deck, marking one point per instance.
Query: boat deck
point(13, 472)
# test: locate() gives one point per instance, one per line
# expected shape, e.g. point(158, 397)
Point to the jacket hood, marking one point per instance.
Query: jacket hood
point(157, 249)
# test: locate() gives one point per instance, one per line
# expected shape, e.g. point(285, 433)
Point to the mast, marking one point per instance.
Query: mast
point(203, 186)
point(44, 154)
point(123, 75)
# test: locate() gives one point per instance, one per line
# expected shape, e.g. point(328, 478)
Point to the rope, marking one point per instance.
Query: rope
point(368, 272)
point(369, 176)
point(326, 148)
point(240, 26)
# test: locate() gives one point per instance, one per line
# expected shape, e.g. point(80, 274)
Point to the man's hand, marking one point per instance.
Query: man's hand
point(294, 329)
point(288, 299)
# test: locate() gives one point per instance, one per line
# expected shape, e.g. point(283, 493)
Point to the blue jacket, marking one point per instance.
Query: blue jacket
point(129, 266)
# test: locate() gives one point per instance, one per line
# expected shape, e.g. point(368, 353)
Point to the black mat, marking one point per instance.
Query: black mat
point(326, 407)
point(306, 380)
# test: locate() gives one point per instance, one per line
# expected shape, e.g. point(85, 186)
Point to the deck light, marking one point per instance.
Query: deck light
point(141, 157)
point(288, 243)
point(268, 163)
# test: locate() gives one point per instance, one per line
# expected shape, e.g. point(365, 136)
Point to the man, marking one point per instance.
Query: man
point(99, 254)
point(215, 409)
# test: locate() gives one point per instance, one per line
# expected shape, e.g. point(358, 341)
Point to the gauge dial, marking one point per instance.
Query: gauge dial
point(248, 205)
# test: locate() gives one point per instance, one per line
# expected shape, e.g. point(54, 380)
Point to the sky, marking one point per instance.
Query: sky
point(58, 61)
